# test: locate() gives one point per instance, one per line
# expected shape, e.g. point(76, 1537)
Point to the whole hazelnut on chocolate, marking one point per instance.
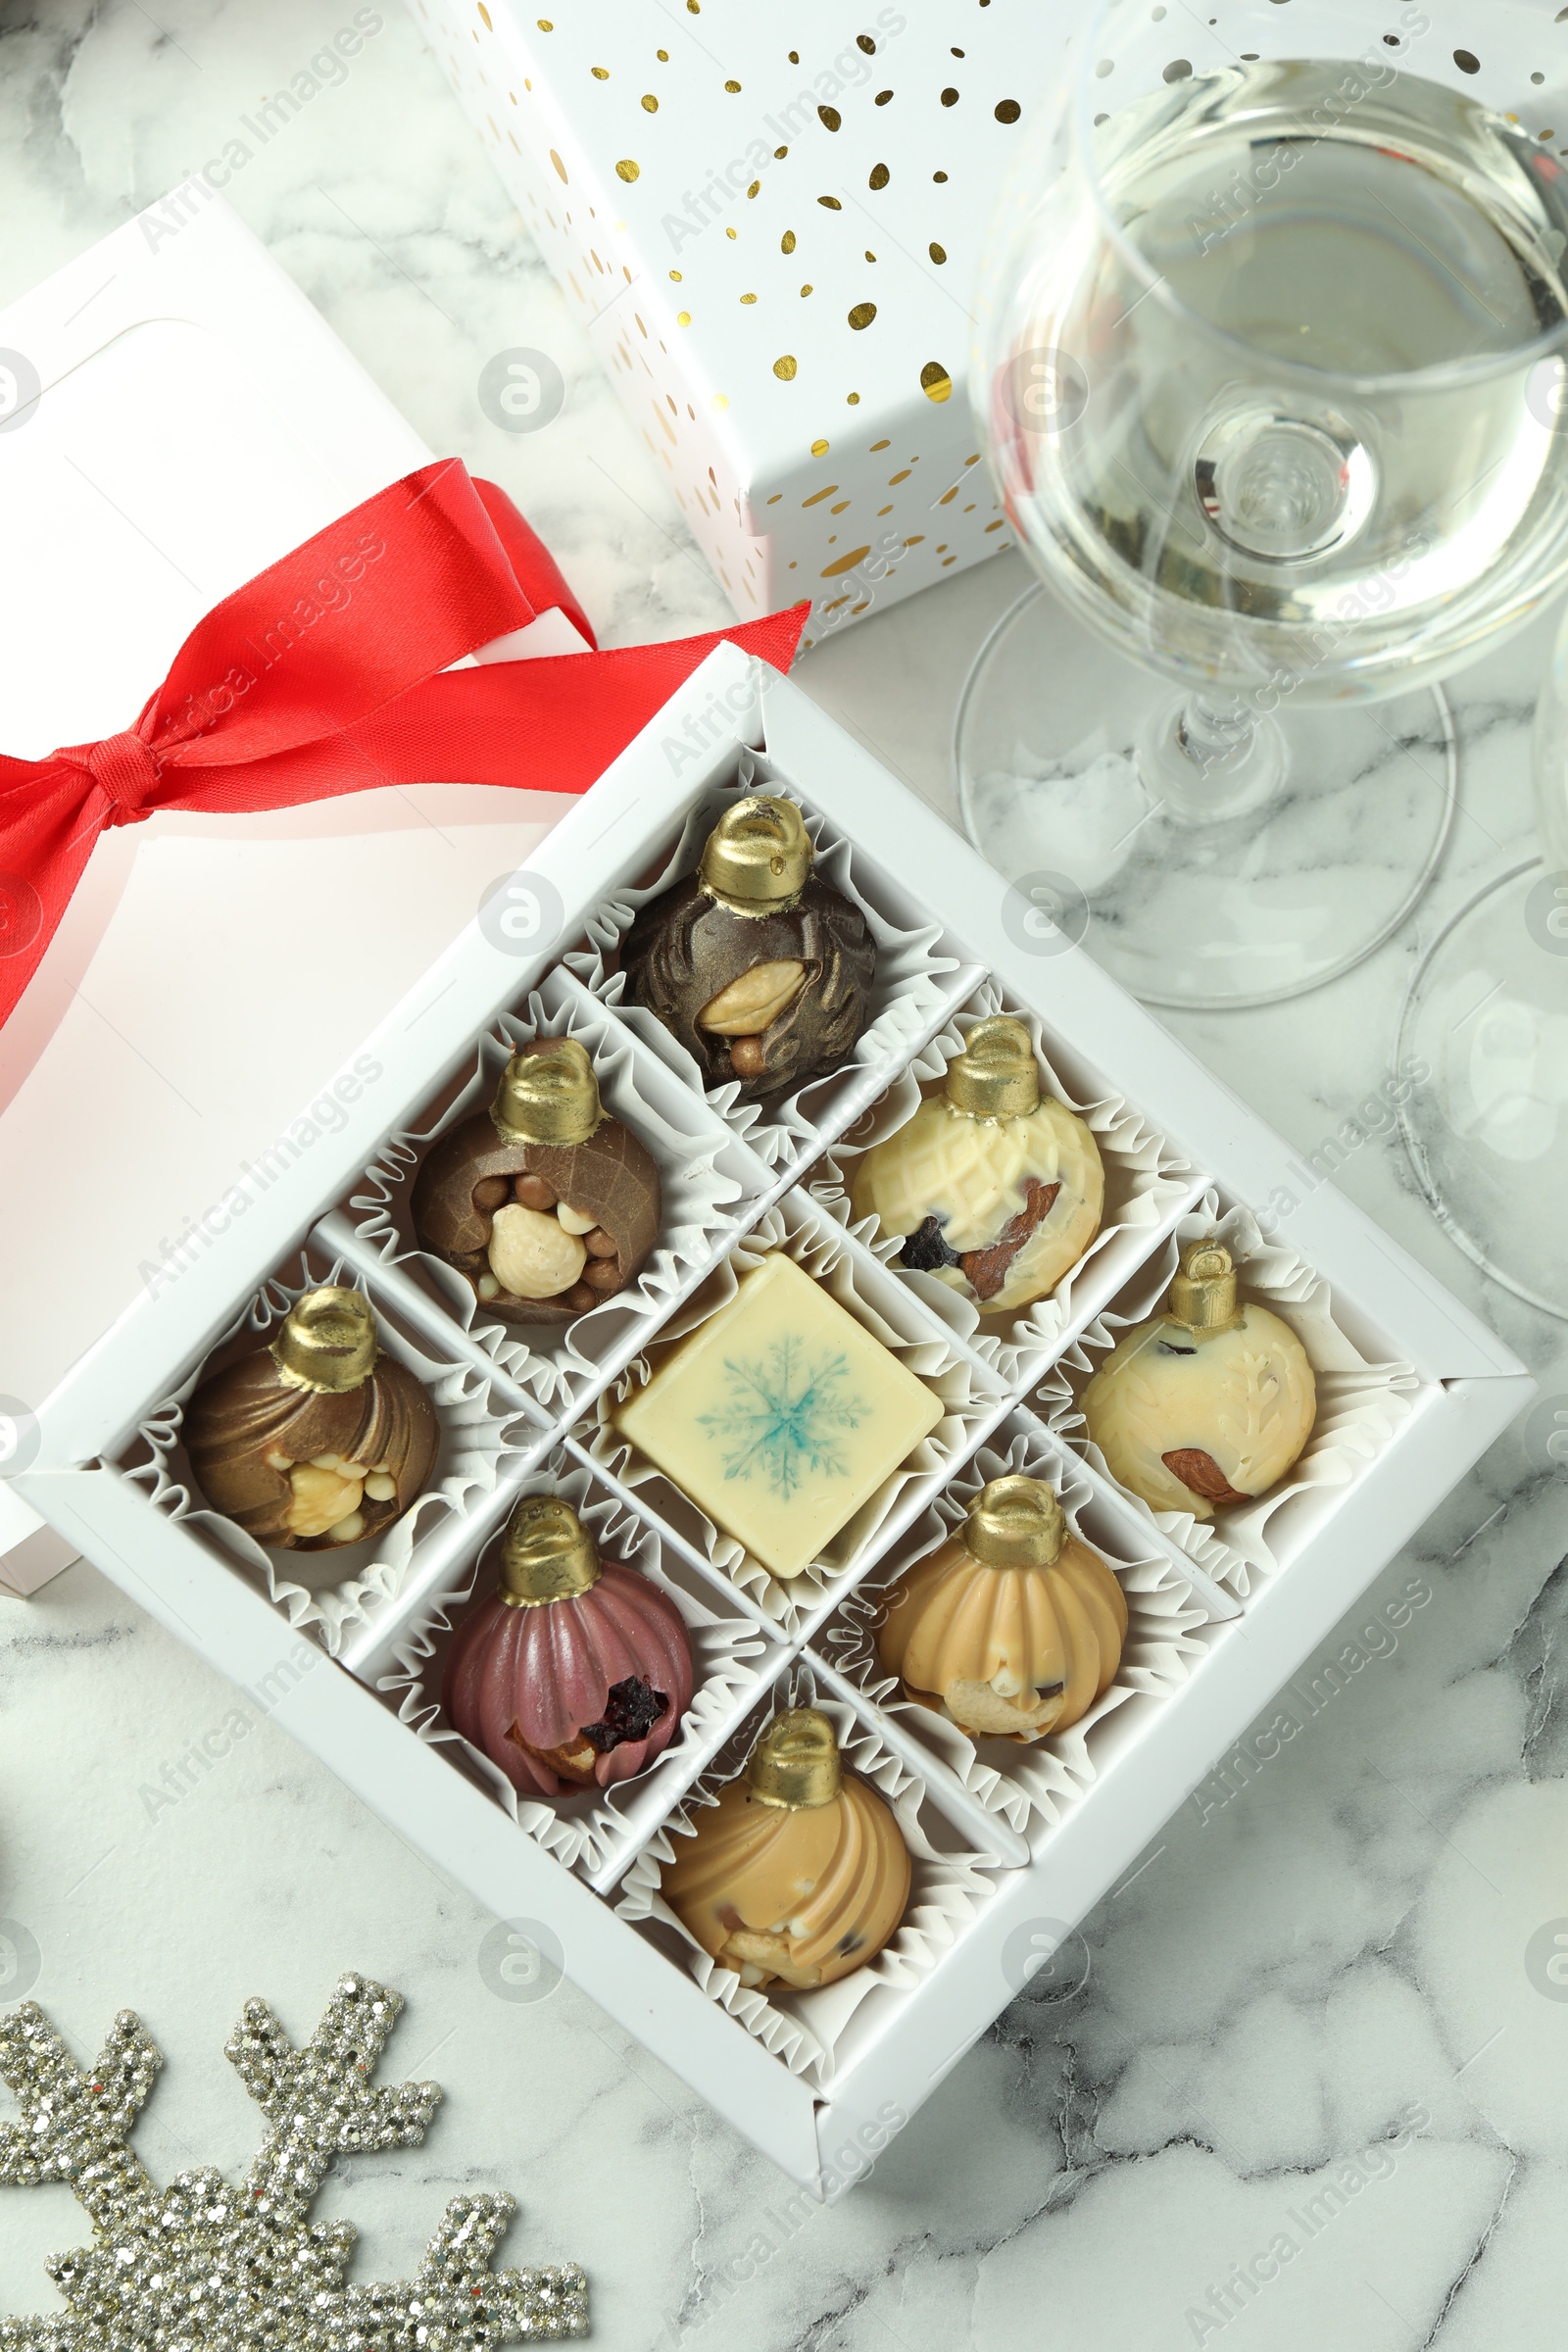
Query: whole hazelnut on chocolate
point(577, 1671)
point(319, 1439)
point(761, 970)
point(546, 1202)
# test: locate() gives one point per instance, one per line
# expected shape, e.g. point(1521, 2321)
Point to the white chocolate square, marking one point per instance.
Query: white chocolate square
point(780, 1416)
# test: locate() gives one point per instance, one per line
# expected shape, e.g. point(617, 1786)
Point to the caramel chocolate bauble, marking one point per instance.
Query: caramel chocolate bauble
point(1013, 1627)
point(578, 1671)
point(799, 1874)
point(761, 970)
point(996, 1190)
point(1208, 1405)
point(547, 1204)
point(319, 1439)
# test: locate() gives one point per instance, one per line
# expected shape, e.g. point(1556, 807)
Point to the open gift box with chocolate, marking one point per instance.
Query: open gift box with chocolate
point(800, 1413)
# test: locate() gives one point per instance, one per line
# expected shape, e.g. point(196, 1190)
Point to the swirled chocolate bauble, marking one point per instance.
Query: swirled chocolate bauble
point(547, 1204)
point(800, 1873)
point(317, 1439)
point(996, 1189)
point(763, 971)
point(577, 1671)
point(1013, 1627)
point(1210, 1403)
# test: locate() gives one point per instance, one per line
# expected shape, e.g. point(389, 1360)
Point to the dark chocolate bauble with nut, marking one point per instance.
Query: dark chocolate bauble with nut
point(763, 971)
point(317, 1439)
point(544, 1202)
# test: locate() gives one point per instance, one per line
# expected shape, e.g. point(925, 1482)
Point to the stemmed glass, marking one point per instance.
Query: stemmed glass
point(1487, 1018)
point(1270, 356)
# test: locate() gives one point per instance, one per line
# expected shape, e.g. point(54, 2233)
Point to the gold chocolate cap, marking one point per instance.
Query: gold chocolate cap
point(757, 859)
point(547, 1098)
point(997, 1075)
point(546, 1555)
point(1015, 1522)
point(1203, 1293)
point(795, 1764)
point(328, 1342)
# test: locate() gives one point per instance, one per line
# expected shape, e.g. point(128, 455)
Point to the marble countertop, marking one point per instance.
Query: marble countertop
point(1317, 2011)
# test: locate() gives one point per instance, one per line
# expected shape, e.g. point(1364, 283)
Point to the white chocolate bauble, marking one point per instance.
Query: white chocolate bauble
point(975, 1175)
point(1245, 1397)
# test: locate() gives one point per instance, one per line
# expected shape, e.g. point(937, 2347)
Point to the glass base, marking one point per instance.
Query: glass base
point(1276, 892)
point(1485, 1036)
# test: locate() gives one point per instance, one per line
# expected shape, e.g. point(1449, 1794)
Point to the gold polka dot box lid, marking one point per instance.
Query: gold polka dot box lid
point(769, 220)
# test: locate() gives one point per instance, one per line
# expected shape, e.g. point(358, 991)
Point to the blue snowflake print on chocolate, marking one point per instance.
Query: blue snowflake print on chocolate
point(784, 1417)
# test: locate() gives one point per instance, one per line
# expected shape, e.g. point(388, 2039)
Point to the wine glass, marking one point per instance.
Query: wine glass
point(1270, 359)
point(1485, 1032)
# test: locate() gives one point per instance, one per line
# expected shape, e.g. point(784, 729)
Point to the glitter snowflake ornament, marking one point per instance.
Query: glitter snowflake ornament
point(204, 2266)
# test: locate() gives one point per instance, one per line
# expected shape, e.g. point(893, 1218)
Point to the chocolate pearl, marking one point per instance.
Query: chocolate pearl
point(601, 1274)
point(579, 1297)
point(489, 1193)
point(746, 1057)
point(533, 1191)
point(599, 1243)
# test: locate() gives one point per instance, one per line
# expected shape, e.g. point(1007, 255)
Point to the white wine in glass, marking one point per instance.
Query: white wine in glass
point(1271, 360)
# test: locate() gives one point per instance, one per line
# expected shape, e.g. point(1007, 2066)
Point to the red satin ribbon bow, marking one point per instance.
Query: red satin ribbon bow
point(324, 675)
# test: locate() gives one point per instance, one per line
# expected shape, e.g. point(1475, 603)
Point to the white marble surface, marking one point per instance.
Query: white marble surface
point(1330, 1963)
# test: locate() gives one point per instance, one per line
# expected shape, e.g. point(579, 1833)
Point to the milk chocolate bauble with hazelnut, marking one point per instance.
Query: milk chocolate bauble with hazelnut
point(763, 971)
point(578, 1671)
point(997, 1188)
point(1210, 1404)
point(800, 1873)
point(1014, 1626)
point(319, 1439)
point(547, 1204)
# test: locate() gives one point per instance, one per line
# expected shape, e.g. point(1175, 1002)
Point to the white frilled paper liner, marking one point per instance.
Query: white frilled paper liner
point(1147, 1183)
point(814, 2034)
point(1032, 1786)
point(920, 974)
point(704, 1173)
point(480, 1445)
point(1361, 1404)
point(588, 1829)
point(972, 1397)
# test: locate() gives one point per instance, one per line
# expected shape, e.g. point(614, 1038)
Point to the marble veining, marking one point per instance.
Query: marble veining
point(1318, 2012)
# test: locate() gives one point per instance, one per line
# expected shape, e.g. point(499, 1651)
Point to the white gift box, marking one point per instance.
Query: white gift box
point(770, 227)
point(822, 2093)
point(1223, 1615)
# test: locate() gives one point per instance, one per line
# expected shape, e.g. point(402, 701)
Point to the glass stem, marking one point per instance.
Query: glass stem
point(1209, 758)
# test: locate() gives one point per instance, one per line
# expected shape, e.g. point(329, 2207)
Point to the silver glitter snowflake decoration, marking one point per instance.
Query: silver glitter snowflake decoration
point(786, 1415)
point(203, 2267)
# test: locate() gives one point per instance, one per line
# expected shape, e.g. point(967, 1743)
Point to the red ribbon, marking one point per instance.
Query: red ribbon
point(324, 675)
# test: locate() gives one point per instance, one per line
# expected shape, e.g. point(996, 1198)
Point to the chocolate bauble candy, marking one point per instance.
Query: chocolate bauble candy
point(799, 1874)
point(578, 1671)
point(547, 1204)
point(1014, 1626)
point(319, 1439)
point(1208, 1405)
point(761, 970)
point(996, 1189)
